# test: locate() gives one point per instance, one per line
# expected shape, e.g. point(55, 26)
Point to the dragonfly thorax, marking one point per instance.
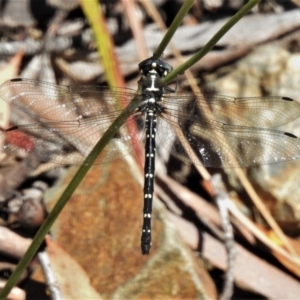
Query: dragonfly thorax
point(150, 84)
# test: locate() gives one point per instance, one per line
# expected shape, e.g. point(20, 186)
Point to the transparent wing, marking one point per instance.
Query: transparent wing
point(48, 102)
point(262, 112)
point(219, 135)
point(221, 131)
point(70, 120)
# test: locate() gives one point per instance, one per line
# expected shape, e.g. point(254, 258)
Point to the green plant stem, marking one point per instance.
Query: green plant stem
point(173, 27)
point(212, 42)
point(39, 238)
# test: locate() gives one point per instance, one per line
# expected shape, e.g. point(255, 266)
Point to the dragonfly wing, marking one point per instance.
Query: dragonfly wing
point(66, 142)
point(48, 102)
point(262, 112)
point(70, 118)
point(216, 145)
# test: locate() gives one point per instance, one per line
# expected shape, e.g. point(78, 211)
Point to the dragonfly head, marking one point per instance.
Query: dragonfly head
point(154, 66)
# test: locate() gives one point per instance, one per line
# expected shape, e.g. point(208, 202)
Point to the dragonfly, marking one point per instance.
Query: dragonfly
point(61, 124)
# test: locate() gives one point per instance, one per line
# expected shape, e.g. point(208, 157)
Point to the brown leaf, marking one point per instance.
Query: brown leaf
point(72, 279)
